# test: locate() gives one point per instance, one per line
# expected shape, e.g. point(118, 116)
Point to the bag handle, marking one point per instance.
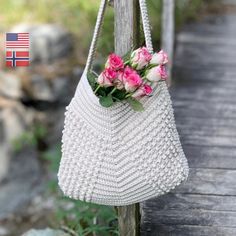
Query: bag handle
point(146, 25)
point(98, 26)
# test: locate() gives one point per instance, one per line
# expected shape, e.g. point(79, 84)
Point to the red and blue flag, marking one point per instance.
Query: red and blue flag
point(17, 40)
point(17, 49)
point(17, 58)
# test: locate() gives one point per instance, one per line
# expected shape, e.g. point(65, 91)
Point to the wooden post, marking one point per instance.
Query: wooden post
point(126, 36)
point(126, 25)
point(168, 28)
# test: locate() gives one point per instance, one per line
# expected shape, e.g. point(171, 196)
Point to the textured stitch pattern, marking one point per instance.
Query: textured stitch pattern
point(116, 156)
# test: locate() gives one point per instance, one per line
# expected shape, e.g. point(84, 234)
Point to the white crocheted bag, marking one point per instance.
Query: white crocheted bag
point(116, 156)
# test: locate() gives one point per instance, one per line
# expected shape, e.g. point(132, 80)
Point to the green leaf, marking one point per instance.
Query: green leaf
point(92, 79)
point(102, 92)
point(119, 95)
point(106, 101)
point(136, 105)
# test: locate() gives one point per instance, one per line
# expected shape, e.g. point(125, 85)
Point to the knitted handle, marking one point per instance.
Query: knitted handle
point(98, 26)
point(146, 25)
point(97, 30)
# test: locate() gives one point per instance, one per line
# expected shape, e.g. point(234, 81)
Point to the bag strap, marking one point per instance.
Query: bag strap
point(146, 25)
point(98, 26)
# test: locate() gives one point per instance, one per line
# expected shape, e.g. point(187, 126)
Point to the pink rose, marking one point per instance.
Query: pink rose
point(156, 73)
point(106, 78)
point(128, 71)
point(140, 58)
point(119, 81)
point(143, 90)
point(159, 58)
point(114, 62)
point(132, 80)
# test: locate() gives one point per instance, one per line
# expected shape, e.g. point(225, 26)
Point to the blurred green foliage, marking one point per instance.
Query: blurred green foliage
point(30, 138)
point(78, 16)
point(77, 217)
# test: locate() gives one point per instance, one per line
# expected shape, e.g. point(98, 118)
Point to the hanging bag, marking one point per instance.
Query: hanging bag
point(118, 156)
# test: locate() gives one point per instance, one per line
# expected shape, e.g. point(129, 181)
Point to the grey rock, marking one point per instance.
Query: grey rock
point(14, 119)
point(77, 72)
point(10, 85)
point(55, 120)
point(41, 89)
point(4, 161)
point(22, 183)
point(60, 87)
point(4, 231)
point(45, 232)
point(47, 41)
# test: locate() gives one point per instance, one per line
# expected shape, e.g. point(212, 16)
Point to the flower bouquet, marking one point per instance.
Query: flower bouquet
point(129, 78)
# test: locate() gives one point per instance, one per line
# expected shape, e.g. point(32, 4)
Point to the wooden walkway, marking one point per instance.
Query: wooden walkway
point(204, 97)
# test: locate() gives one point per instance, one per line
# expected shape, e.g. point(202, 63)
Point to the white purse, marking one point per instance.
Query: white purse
point(116, 156)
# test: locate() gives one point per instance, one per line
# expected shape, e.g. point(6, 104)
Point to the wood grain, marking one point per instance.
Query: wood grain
point(167, 29)
point(204, 100)
point(126, 36)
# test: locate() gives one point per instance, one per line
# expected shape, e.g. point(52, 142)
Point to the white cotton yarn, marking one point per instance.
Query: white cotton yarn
point(116, 156)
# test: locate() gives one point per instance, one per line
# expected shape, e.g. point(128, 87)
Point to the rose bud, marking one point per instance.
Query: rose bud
point(156, 73)
point(143, 90)
point(140, 58)
point(106, 78)
point(132, 82)
point(159, 58)
point(114, 62)
point(118, 81)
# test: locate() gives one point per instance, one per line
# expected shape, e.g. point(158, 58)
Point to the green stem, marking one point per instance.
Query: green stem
point(126, 63)
point(98, 87)
point(113, 90)
point(128, 95)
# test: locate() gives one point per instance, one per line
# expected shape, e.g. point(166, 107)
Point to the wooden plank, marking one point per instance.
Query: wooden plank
point(206, 27)
point(217, 141)
point(226, 66)
point(126, 35)
point(218, 61)
point(220, 106)
point(186, 230)
point(194, 217)
point(209, 181)
point(205, 110)
point(207, 93)
point(205, 40)
point(210, 157)
point(193, 51)
point(198, 78)
point(191, 54)
point(200, 109)
point(210, 123)
point(204, 127)
point(187, 202)
point(167, 35)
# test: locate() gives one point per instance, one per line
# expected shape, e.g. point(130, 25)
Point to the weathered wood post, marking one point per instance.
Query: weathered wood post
point(126, 36)
point(168, 28)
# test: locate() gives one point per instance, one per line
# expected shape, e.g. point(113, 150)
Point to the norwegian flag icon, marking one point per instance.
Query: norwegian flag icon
point(17, 58)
